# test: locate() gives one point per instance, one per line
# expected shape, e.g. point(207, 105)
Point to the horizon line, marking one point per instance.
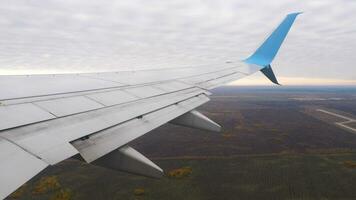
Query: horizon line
point(292, 81)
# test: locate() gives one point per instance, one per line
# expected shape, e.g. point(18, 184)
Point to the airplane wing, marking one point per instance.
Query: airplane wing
point(45, 119)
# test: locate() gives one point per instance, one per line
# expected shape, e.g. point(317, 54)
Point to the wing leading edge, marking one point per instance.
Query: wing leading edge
point(49, 118)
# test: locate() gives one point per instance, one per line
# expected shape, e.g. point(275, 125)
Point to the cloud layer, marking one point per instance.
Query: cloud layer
point(88, 35)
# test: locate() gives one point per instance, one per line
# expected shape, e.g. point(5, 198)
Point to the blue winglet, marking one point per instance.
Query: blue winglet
point(268, 50)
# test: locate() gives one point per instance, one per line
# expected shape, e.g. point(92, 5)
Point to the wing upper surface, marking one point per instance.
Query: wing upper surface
point(30, 86)
point(49, 118)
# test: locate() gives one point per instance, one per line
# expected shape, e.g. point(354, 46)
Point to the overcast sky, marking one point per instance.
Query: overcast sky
point(86, 35)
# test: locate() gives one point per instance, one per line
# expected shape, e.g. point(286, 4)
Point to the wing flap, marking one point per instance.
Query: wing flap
point(17, 166)
point(103, 142)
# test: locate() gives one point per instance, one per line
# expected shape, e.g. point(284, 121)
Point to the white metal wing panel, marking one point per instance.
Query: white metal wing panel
point(221, 80)
point(123, 95)
point(113, 97)
point(145, 91)
point(172, 86)
point(67, 106)
point(50, 97)
point(209, 76)
point(224, 76)
point(17, 166)
point(154, 75)
point(36, 85)
point(21, 114)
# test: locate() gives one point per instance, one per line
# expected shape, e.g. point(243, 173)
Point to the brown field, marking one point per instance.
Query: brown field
point(272, 147)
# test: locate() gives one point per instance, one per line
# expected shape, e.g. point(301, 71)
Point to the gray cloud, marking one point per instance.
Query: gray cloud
point(88, 35)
